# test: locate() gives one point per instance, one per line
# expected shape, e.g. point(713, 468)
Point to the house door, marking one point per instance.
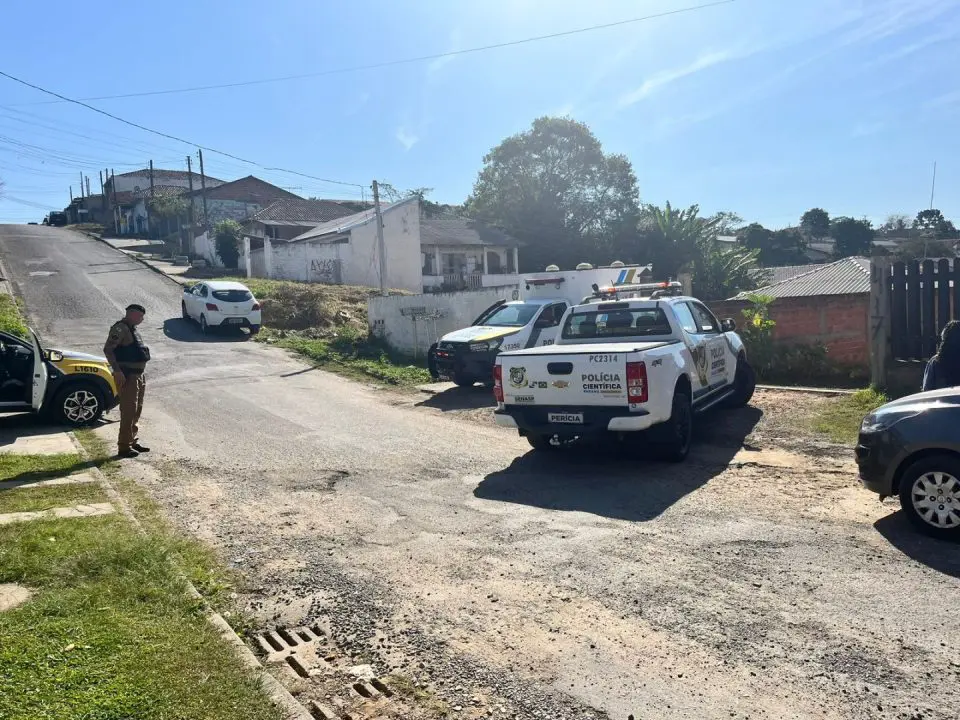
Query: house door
point(493, 263)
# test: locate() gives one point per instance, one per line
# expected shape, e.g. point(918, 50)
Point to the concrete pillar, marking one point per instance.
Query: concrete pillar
point(246, 256)
point(516, 260)
point(486, 270)
point(437, 266)
point(267, 257)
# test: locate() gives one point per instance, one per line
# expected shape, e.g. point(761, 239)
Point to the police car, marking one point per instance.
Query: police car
point(68, 387)
point(467, 356)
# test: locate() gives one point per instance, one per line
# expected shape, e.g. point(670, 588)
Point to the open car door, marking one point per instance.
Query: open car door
point(39, 373)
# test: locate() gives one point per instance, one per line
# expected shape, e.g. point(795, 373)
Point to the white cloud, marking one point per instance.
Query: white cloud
point(664, 78)
point(406, 138)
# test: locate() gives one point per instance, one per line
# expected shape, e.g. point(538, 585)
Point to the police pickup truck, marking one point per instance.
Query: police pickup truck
point(637, 359)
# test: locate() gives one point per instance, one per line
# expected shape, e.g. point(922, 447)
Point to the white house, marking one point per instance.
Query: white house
point(340, 251)
point(125, 194)
point(459, 253)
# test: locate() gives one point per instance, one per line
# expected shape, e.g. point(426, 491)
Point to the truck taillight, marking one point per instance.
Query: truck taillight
point(213, 307)
point(637, 390)
point(498, 383)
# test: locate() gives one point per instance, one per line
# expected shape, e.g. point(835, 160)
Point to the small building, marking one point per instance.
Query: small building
point(825, 304)
point(339, 250)
point(459, 253)
point(125, 191)
point(237, 200)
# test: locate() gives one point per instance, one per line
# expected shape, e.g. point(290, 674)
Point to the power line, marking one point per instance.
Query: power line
point(171, 137)
point(404, 61)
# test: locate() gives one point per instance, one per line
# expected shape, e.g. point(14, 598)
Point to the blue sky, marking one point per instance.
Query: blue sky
point(763, 107)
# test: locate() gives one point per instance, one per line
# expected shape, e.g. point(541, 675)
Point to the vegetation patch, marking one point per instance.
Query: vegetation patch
point(11, 317)
point(840, 418)
point(28, 499)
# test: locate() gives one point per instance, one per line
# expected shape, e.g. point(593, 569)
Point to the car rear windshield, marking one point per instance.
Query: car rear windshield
point(234, 296)
point(636, 322)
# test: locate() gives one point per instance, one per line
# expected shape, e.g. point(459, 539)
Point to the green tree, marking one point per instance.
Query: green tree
point(227, 237)
point(775, 247)
point(933, 224)
point(553, 188)
point(171, 209)
point(727, 222)
point(815, 223)
point(852, 237)
point(896, 225)
point(681, 239)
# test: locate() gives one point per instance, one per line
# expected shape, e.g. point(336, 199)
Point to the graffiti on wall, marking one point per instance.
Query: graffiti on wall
point(325, 271)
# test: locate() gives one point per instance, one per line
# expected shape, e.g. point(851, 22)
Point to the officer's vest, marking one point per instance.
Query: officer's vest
point(135, 352)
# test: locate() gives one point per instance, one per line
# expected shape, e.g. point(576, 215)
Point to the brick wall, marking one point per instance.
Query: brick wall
point(839, 322)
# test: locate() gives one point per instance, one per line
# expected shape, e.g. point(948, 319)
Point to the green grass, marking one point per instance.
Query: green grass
point(354, 355)
point(27, 499)
point(109, 632)
point(11, 317)
point(840, 419)
point(40, 467)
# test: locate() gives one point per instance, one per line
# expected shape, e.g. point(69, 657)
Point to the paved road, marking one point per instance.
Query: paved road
point(768, 588)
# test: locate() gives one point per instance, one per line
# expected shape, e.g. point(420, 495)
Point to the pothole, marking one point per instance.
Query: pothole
point(12, 595)
point(322, 482)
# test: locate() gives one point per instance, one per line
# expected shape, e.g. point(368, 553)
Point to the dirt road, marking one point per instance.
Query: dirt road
point(757, 582)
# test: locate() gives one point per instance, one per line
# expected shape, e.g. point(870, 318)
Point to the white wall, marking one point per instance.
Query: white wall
point(412, 323)
point(142, 180)
point(206, 247)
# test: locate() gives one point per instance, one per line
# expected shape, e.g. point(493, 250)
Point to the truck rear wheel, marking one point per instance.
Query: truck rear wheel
point(744, 384)
point(462, 380)
point(677, 432)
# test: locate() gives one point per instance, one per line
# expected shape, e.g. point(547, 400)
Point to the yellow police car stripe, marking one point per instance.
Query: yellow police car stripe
point(493, 335)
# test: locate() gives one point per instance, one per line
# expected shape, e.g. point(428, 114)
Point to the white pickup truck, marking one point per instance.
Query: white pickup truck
point(624, 366)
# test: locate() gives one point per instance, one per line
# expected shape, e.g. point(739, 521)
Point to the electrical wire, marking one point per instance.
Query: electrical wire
point(404, 61)
point(169, 136)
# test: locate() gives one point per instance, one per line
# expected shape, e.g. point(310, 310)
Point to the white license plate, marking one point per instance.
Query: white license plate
point(568, 418)
point(234, 321)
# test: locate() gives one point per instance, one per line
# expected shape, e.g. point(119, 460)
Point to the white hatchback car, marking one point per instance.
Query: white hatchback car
point(221, 304)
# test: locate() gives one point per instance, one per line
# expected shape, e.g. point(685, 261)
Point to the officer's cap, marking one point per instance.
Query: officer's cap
point(137, 308)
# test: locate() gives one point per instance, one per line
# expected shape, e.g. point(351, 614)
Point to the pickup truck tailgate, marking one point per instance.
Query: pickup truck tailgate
point(570, 375)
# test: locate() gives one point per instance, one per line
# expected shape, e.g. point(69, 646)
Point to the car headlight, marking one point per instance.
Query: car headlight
point(877, 422)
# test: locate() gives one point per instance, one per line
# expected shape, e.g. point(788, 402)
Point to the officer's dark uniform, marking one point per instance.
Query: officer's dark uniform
point(127, 354)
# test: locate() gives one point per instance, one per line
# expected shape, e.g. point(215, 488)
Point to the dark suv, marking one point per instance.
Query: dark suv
point(911, 447)
point(58, 218)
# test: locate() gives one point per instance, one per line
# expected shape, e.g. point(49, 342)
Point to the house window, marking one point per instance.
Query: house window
point(511, 266)
point(493, 262)
point(454, 263)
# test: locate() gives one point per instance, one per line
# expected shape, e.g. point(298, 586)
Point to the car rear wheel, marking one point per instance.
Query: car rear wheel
point(78, 405)
point(930, 495)
point(677, 432)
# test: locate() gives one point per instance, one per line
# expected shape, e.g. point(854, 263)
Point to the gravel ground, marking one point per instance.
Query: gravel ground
point(755, 580)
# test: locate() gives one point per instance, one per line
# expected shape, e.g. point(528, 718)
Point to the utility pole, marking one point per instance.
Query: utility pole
point(116, 210)
point(933, 185)
point(147, 204)
point(88, 185)
point(81, 184)
point(190, 182)
point(203, 189)
point(380, 246)
point(71, 194)
point(101, 184)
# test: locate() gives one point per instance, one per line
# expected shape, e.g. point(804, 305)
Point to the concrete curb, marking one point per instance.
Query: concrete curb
point(276, 691)
point(137, 258)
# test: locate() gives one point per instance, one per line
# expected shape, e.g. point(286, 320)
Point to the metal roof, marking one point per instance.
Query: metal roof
point(849, 276)
point(345, 224)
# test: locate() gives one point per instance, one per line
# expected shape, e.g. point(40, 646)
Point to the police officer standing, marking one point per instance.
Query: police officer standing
point(128, 357)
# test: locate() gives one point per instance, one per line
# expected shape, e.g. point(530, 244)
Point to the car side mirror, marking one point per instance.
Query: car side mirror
point(54, 355)
point(728, 325)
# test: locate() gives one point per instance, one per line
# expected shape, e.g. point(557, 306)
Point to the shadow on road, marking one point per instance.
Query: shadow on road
point(940, 555)
point(458, 398)
point(617, 482)
point(182, 330)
